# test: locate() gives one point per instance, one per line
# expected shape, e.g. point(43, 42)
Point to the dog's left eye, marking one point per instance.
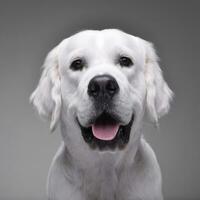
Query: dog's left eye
point(125, 61)
point(77, 64)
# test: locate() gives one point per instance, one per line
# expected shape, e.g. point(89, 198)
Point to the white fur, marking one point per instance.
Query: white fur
point(78, 172)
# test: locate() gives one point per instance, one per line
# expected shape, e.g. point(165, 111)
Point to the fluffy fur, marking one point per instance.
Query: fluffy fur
point(78, 172)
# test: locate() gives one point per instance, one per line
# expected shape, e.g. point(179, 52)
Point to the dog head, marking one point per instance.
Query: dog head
point(101, 83)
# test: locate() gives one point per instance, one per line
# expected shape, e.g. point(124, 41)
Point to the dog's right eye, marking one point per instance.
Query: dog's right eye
point(77, 64)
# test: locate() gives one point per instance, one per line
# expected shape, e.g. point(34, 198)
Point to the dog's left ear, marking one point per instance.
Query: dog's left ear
point(47, 96)
point(158, 93)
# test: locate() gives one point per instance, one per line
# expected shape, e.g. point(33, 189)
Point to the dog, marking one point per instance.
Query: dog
point(100, 86)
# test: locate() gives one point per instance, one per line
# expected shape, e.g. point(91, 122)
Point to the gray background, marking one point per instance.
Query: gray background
point(29, 29)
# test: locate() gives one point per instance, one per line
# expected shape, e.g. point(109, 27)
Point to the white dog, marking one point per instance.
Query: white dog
point(100, 85)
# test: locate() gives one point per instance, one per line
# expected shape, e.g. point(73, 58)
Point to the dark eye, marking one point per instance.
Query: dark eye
point(77, 64)
point(125, 61)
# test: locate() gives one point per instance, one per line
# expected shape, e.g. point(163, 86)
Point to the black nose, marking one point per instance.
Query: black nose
point(103, 86)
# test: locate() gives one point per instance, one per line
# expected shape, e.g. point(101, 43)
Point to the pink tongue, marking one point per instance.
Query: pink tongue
point(105, 132)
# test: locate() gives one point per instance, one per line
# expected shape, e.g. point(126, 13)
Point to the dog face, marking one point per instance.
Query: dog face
point(101, 83)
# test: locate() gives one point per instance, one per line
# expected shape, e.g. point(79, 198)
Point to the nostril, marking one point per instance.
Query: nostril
point(112, 87)
point(93, 89)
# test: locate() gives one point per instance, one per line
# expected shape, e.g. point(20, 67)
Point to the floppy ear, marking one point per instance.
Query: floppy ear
point(47, 96)
point(158, 94)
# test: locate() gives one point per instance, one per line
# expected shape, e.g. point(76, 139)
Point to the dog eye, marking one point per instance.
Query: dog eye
point(125, 61)
point(77, 64)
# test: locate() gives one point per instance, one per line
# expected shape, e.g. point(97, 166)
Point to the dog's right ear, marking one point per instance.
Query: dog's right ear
point(47, 96)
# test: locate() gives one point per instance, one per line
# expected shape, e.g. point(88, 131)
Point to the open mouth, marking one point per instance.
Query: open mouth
point(107, 133)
